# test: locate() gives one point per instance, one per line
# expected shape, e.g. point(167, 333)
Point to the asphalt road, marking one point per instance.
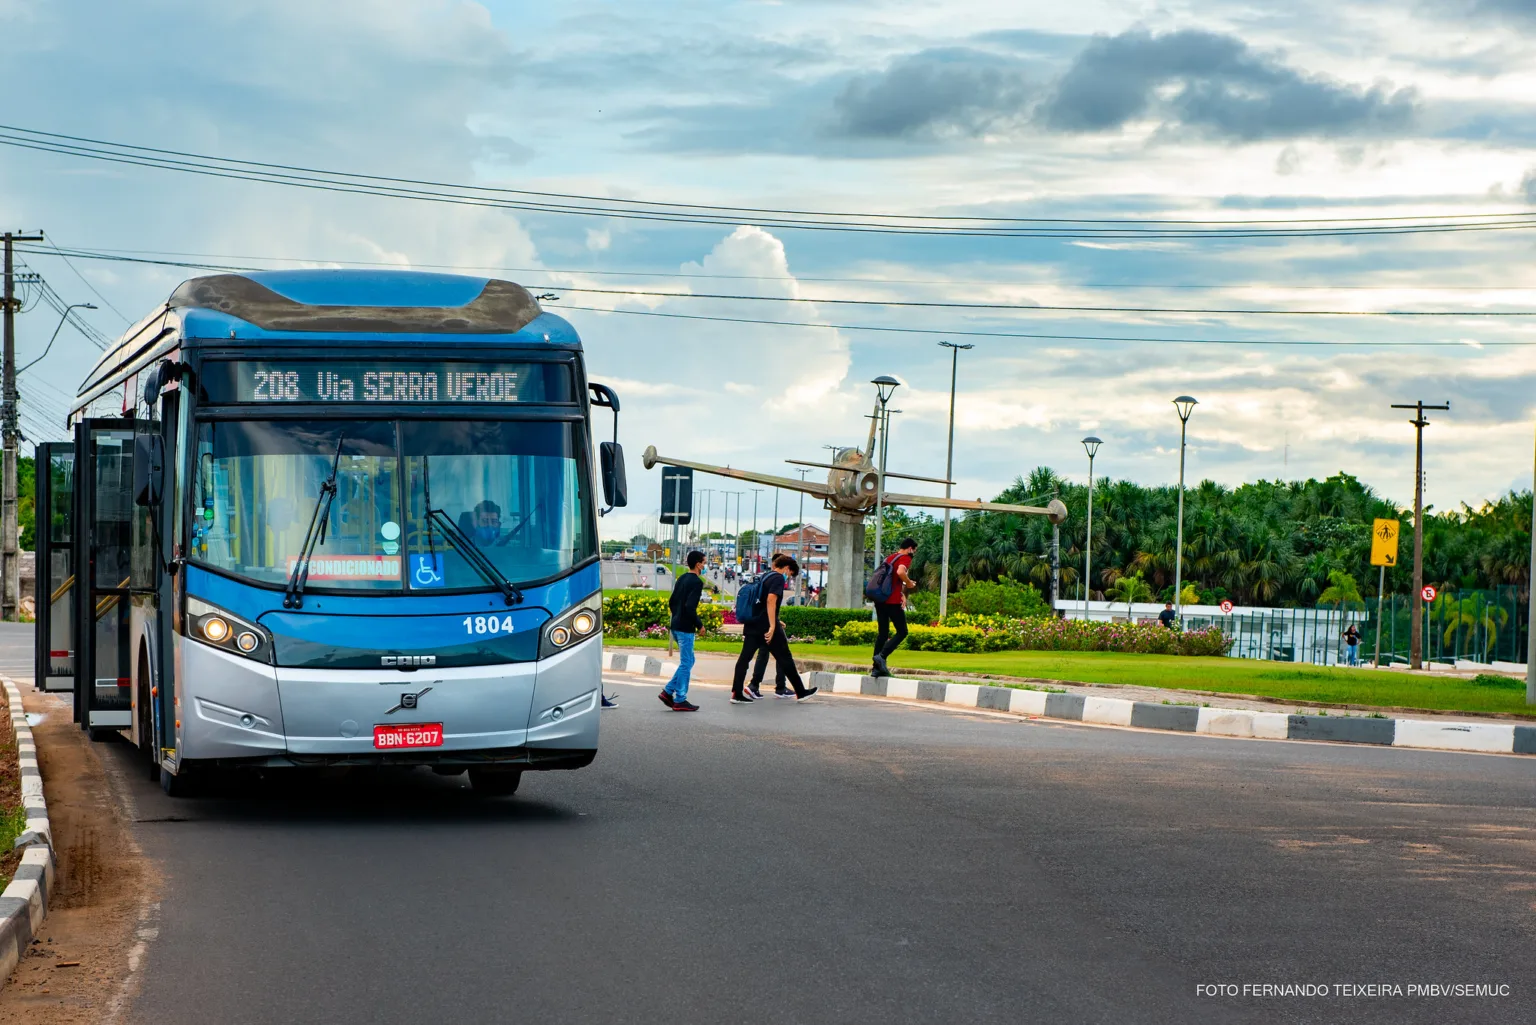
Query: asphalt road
point(846, 860)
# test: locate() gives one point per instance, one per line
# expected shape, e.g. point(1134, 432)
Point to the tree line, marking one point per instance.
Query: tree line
point(1267, 543)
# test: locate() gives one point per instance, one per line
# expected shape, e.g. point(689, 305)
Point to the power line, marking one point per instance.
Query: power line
point(690, 213)
point(894, 303)
point(106, 253)
point(946, 331)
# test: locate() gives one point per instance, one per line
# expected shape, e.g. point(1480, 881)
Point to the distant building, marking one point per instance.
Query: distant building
point(807, 544)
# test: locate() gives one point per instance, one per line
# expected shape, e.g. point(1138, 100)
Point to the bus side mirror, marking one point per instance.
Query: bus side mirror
point(615, 491)
point(148, 469)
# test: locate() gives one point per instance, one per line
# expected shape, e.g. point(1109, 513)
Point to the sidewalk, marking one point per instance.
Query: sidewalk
point(716, 667)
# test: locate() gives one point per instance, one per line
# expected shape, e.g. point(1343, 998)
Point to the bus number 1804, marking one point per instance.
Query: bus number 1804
point(487, 624)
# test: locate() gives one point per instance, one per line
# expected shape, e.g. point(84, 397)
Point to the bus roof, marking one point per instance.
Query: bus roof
point(415, 306)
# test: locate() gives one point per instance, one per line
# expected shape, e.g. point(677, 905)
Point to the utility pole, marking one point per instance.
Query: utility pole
point(1530, 619)
point(949, 474)
point(1055, 560)
point(10, 557)
point(1416, 629)
point(756, 543)
point(800, 541)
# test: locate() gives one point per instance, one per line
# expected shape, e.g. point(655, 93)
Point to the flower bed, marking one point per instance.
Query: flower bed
point(964, 633)
point(635, 613)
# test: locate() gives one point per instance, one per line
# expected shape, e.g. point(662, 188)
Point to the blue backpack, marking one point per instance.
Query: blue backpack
point(748, 598)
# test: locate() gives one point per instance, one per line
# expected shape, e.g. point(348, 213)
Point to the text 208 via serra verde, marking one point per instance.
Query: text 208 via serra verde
point(1356, 990)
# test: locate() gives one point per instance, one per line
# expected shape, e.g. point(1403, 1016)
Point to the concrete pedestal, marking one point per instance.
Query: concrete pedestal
point(845, 562)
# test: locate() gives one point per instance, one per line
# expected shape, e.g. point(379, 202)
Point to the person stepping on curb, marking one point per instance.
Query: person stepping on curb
point(685, 625)
point(757, 608)
point(887, 588)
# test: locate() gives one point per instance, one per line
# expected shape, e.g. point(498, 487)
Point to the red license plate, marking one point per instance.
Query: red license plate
point(424, 734)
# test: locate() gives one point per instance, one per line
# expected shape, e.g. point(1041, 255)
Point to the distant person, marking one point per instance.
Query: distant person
point(892, 612)
point(764, 629)
point(1352, 643)
point(1167, 616)
point(685, 625)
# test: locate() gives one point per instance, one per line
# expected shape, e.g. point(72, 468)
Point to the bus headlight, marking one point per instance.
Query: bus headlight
point(581, 621)
point(215, 626)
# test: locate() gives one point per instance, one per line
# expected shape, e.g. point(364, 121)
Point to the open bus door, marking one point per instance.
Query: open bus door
point(102, 557)
point(54, 664)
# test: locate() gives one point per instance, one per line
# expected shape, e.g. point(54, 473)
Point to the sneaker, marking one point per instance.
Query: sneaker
point(880, 668)
point(741, 699)
point(684, 706)
point(783, 693)
point(665, 698)
point(609, 702)
point(756, 689)
point(806, 693)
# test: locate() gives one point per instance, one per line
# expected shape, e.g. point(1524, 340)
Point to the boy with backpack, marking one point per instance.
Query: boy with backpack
point(887, 588)
point(757, 610)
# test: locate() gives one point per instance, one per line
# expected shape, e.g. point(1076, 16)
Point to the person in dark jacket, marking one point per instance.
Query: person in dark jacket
point(684, 604)
point(765, 630)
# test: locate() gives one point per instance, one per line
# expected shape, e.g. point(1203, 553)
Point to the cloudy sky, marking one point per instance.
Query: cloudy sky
point(1099, 109)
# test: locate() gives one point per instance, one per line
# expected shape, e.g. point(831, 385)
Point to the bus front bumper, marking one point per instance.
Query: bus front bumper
point(542, 715)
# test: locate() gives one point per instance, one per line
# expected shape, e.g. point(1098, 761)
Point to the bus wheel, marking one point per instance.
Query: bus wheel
point(179, 784)
point(495, 782)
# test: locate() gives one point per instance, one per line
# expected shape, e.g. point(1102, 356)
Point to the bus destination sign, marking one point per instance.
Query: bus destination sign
point(283, 381)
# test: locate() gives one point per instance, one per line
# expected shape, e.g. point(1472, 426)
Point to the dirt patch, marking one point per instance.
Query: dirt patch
point(104, 888)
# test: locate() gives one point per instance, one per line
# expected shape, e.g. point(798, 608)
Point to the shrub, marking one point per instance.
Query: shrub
point(923, 607)
point(962, 632)
point(809, 621)
point(1000, 598)
point(630, 613)
point(1495, 680)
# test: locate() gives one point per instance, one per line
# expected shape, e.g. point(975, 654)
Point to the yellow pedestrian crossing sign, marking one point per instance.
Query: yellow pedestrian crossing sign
point(1384, 543)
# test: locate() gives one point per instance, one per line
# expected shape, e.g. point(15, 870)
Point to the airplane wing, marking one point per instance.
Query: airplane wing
point(817, 488)
point(1056, 511)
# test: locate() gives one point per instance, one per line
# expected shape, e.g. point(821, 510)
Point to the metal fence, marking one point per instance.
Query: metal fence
point(1483, 625)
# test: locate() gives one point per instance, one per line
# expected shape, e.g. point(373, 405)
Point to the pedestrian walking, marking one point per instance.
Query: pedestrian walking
point(685, 625)
point(763, 629)
point(1352, 643)
point(891, 613)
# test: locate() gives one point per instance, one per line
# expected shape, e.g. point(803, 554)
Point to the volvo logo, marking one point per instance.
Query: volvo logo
point(408, 701)
point(408, 660)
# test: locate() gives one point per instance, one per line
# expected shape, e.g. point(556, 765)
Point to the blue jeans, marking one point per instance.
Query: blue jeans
point(678, 685)
point(1354, 654)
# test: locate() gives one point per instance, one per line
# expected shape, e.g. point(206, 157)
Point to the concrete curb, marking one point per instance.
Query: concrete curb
point(1498, 738)
point(1492, 738)
point(24, 903)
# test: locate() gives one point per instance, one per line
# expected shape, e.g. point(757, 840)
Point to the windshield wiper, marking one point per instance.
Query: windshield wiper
point(463, 542)
point(293, 597)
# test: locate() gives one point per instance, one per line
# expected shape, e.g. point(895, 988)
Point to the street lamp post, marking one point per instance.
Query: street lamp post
point(738, 495)
point(755, 542)
point(949, 473)
point(1091, 444)
point(800, 542)
point(1185, 405)
point(884, 385)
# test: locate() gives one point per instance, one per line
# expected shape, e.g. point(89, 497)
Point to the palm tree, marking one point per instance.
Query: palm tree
point(1341, 588)
point(1130, 589)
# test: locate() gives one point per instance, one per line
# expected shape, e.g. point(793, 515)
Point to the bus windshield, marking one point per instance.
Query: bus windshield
point(516, 489)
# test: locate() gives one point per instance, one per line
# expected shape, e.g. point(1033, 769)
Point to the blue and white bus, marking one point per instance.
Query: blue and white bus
point(322, 517)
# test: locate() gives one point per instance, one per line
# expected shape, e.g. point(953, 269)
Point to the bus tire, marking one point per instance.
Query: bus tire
point(495, 782)
point(183, 783)
point(144, 711)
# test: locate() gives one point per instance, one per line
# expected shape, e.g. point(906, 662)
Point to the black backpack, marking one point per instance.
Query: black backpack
point(881, 582)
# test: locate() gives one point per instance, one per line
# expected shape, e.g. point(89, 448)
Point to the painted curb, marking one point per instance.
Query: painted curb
point(1491, 738)
point(24, 903)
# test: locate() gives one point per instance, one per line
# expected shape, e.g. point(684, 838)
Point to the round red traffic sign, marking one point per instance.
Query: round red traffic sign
point(1226, 606)
point(1429, 592)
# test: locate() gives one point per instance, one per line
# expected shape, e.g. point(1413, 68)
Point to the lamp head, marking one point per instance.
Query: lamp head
point(1185, 405)
point(884, 385)
point(1092, 445)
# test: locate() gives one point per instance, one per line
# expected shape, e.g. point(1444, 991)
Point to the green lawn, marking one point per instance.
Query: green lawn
point(1283, 681)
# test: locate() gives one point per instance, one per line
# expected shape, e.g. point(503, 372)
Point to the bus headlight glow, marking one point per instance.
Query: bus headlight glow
point(579, 622)
point(213, 625)
point(560, 635)
point(583, 623)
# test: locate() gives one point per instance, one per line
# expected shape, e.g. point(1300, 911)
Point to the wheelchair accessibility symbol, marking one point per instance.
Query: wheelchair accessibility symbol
point(427, 570)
